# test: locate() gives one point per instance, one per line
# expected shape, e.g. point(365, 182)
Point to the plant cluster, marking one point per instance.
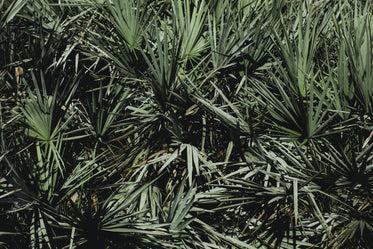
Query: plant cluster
point(186, 124)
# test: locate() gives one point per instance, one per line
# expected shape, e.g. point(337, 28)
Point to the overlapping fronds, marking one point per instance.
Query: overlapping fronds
point(186, 124)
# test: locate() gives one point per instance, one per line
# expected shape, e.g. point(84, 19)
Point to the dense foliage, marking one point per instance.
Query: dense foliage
point(186, 124)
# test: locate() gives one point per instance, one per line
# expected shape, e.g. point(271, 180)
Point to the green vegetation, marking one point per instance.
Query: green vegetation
point(186, 124)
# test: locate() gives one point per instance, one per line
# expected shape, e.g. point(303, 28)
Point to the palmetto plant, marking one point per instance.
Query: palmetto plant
point(186, 124)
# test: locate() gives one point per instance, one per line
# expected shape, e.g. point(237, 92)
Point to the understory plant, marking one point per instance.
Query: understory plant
point(186, 124)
